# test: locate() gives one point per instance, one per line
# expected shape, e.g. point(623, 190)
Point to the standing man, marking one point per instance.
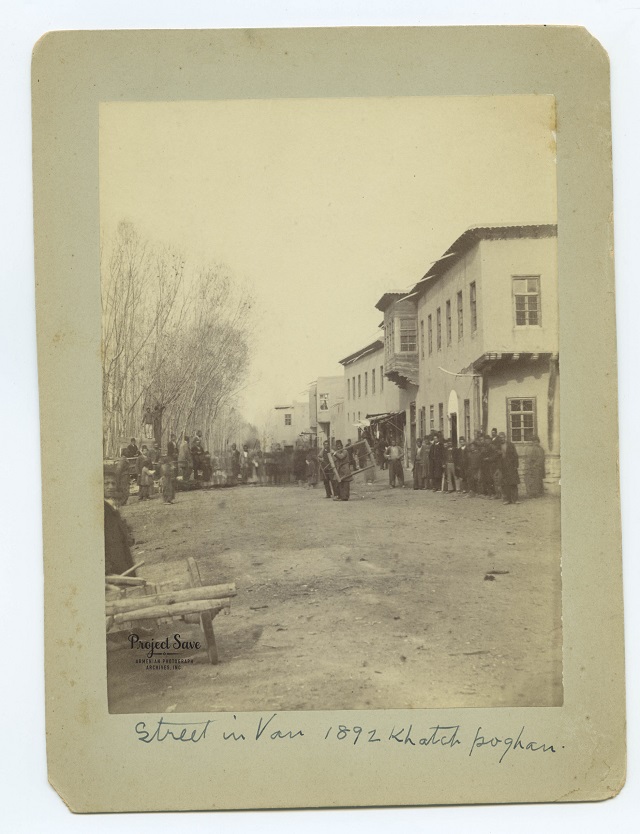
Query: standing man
point(449, 474)
point(343, 466)
point(473, 467)
point(394, 457)
point(420, 465)
point(324, 464)
point(172, 448)
point(436, 463)
point(460, 460)
point(147, 423)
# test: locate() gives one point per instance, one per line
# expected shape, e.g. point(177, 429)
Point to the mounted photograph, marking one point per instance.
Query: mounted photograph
point(331, 403)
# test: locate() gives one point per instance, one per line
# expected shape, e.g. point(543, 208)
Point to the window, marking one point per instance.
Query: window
point(366, 383)
point(381, 378)
point(423, 421)
point(408, 336)
point(430, 333)
point(472, 304)
point(432, 419)
point(348, 389)
point(358, 416)
point(448, 314)
point(287, 419)
point(353, 388)
point(438, 329)
point(359, 386)
point(373, 381)
point(521, 419)
point(388, 338)
point(441, 416)
point(422, 339)
point(467, 416)
point(526, 295)
point(460, 314)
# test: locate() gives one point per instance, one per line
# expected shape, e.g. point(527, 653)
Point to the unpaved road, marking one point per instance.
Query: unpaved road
point(380, 602)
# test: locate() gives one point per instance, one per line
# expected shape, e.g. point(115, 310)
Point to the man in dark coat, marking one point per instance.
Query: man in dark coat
point(473, 454)
point(436, 462)
point(509, 470)
point(132, 450)
point(326, 470)
point(343, 486)
point(117, 551)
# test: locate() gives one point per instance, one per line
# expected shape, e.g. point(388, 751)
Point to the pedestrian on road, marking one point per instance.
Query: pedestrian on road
point(146, 481)
point(449, 471)
point(420, 460)
point(473, 467)
point(324, 465)
point(436, 463)
point(394, 459)
point(460, 455)
point(343, 466)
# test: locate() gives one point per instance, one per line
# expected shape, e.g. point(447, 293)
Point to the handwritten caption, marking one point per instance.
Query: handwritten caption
point(273, 728)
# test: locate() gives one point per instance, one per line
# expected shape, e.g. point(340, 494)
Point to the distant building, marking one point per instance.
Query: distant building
point(290, 424)
point(325, 395)
point(371, 400)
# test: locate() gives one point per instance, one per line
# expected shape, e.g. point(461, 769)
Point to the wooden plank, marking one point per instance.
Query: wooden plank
point(125, 580)
point(176, 610)
point(170, 597)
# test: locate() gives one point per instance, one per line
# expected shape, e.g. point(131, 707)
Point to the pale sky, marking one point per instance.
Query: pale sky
point(322, 205)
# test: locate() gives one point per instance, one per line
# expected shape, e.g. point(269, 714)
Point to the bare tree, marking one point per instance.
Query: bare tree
point(175, 338)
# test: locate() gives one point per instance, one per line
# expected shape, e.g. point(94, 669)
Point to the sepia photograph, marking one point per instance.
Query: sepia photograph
point(331, 403)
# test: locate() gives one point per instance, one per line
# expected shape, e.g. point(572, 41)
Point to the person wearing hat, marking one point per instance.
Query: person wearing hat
point(394, 457)
point(326, 470)
point(341, 457)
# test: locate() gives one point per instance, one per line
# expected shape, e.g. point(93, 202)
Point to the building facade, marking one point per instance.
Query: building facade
point(289, 424)
point(371, 399)
point(325, 396)
point(487, 339)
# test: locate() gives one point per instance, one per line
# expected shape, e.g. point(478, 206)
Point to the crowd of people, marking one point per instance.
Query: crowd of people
point(487, 466)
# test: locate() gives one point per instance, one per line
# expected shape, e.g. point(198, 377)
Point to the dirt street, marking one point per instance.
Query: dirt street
point(381, 602)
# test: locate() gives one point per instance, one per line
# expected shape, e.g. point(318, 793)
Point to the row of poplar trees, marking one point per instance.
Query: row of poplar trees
point(175, 336)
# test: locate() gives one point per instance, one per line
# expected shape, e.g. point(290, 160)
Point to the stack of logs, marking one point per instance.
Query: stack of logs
point(182, 603)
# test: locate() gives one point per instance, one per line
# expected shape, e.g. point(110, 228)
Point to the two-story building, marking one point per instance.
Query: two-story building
point(325, 396)
point(290, 424)
point(487, 338)
point(371, 399)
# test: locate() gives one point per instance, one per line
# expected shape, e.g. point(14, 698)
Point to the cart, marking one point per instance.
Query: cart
point(133, 601)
